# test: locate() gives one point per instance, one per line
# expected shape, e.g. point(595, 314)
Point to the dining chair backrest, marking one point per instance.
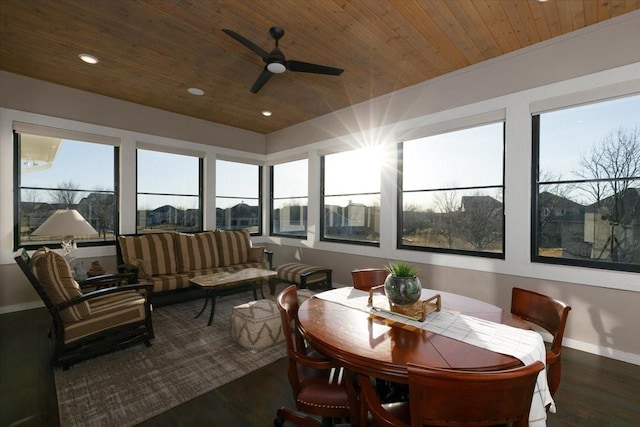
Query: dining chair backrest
point(315, 390)
point(551, 315)
point(445, 397)
point(288, 305)
point(366, 278)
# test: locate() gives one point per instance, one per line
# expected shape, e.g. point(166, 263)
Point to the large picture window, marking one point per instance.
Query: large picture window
point(586, 185)
point(451, 195)
point(54, 174)
point(169, 192)
point(238, 196)
point(351, 196)
point(289, 199)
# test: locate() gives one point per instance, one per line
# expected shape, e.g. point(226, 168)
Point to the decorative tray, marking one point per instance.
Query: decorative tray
point(416, 311)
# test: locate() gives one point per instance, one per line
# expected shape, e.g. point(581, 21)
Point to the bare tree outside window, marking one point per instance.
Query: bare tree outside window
point(66, 195)
point(447, 203)
point(587, 195)
point(609, 169)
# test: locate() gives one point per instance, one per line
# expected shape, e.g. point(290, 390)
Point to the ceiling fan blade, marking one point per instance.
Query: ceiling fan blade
point(261, 80)
point(257, 49)
point(306, 67)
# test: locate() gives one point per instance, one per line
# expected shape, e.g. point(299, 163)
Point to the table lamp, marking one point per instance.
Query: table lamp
point(67, 223)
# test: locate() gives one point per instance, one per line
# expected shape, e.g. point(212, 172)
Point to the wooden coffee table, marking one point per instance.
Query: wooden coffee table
point(220, 283)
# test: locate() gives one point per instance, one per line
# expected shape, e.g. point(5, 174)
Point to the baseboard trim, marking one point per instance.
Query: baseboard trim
point(21, 307)
point(611, 353)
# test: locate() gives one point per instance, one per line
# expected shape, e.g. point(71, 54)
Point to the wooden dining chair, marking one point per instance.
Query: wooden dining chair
point(551, 315)
point(374, 412)
point(446, 397)
point(320, 387)
point(366, 278)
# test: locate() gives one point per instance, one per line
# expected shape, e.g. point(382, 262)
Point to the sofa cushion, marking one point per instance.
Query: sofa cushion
point(54, 273)
point(196, 251)
point(169, 282)
point(153, 251)
point(233, 246)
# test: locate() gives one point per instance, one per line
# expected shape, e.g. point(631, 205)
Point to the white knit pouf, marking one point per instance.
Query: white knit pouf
point(256, 325)
point(303, 295)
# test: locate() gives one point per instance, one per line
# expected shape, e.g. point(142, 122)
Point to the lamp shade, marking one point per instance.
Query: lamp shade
point(65, 222)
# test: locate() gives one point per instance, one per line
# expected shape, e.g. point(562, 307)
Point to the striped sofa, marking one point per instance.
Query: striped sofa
point(169, 260)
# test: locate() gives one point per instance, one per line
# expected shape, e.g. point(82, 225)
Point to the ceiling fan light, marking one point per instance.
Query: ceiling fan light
point(276, 67)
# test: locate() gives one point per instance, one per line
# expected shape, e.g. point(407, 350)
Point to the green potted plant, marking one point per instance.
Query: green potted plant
point(402, 286)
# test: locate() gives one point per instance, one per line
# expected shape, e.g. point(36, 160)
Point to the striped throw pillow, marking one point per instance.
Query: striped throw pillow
point(54, 274)
point(196, 251)
point(156, 251)
point(233, 247)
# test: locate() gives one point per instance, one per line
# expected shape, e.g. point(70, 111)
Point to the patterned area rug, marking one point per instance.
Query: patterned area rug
point(187, 359)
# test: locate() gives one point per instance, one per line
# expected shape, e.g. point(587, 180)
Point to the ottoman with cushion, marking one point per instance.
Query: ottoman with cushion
point(256, 325)
point(301, 275)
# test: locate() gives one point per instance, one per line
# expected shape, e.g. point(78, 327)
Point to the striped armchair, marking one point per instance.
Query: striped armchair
point(86, 325)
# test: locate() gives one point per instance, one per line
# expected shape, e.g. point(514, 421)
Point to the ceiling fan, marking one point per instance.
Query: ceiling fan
point(276, 62)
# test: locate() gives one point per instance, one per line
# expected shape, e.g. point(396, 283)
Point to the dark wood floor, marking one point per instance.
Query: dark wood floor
point(595, 391)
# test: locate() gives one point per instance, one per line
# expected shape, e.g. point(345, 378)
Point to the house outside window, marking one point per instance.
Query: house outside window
point(238, 196)
point(289, 199)
point(53, 172)
point(350, 199)
point(169, 192)
point(586, 185)
point(451, 192)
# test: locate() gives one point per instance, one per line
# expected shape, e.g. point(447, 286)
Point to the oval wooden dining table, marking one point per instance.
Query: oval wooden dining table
point(364, 343)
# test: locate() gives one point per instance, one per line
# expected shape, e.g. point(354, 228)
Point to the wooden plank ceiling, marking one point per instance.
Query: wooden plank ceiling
point(151, 51)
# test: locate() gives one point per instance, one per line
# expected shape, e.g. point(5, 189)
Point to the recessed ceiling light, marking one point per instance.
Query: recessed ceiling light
point(89, 59)
point(195, 91)
point(266, 113)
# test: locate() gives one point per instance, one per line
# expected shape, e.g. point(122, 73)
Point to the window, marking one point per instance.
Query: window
point(351, 196)
point(586, 185)
point(169, 192)
point(238, 196)
point(55, 173)
point(451, 192)
point(289, 191)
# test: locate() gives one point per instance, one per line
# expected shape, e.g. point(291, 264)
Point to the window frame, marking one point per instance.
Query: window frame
point(259, 198)
point(272, 198)
point(535, 257)
point(323, 195)
point(200, 194)
point(17, 187)
point(400, 195)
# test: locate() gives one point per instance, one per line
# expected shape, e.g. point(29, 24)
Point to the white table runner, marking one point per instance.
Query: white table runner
point(526, 345)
